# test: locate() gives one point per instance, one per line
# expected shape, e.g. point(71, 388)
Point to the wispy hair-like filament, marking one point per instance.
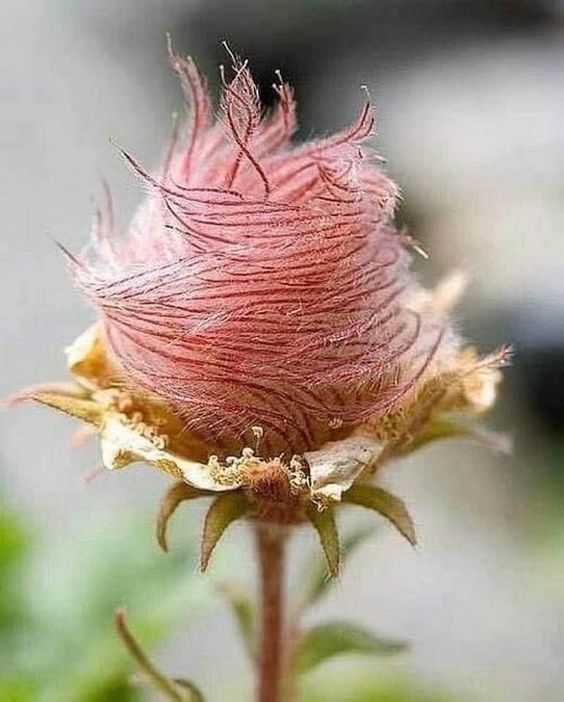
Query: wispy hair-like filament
point(262, 283)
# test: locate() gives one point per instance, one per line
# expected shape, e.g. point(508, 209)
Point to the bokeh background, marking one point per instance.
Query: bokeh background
point(470, 100)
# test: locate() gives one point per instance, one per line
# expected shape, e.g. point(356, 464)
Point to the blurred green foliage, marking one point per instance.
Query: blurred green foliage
point(57, 602)
point(58, 597)
point(351, 682)
point(342, 661)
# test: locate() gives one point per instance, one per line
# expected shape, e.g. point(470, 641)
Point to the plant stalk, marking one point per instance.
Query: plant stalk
point(158, 679)
point(270, 546)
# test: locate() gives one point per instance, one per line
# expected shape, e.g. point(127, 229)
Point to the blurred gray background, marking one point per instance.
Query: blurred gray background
point(470, 101)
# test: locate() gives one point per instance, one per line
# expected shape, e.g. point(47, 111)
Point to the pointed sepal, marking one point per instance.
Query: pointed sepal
point(389, 506)
point(75, 405)
point(324, 523)
point(179, 492)
point(315, 582)
point(224, 510)
point(447, 427)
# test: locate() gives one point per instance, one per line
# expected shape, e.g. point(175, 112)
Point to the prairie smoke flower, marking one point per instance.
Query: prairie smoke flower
point(259, 330)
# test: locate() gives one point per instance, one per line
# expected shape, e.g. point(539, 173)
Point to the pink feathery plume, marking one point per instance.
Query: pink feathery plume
point(261, 283)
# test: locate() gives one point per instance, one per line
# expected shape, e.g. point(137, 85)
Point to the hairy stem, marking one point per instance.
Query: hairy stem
point(270, 541)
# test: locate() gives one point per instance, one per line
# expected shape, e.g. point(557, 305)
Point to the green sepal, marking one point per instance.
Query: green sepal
point(315, 582)
point(326, 527)
point(326, 641)
point(446, 427)
point(178, 493)
point(224, 510)
point(386, 504)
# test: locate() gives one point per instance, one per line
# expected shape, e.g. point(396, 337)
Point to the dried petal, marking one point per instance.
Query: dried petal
point(87, 361)
point(466, 386)
point(123, 445)
point(335, 467)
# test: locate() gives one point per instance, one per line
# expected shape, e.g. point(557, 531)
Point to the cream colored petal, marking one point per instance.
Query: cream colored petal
point(335, 467)
point(480, 388)
point(479, 379)
point(440, 300)
point(122, 445)
point(87, 361)
point(445, 295)
point(81, 347)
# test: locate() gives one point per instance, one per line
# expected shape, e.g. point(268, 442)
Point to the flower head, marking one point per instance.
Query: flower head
point(259, 331)
point(262, 283)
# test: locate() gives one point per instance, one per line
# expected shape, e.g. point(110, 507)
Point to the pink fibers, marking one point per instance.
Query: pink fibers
point(261, 283)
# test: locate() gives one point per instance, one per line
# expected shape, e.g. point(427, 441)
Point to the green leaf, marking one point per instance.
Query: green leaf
point(243, 610)
point(224, 510)
point(386, 504)
point(15, 548)
point(63, 613)
point(326, 527)
point(335, 638)
point(178, 493)
point(315, 582)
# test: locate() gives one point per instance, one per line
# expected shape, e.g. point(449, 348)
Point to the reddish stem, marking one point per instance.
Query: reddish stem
point(270, 549)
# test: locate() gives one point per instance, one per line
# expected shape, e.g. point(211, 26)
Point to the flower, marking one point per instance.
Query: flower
point(259, 331)
point(263, 283)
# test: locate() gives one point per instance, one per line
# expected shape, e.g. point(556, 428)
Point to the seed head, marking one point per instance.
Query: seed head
point(262, 283)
